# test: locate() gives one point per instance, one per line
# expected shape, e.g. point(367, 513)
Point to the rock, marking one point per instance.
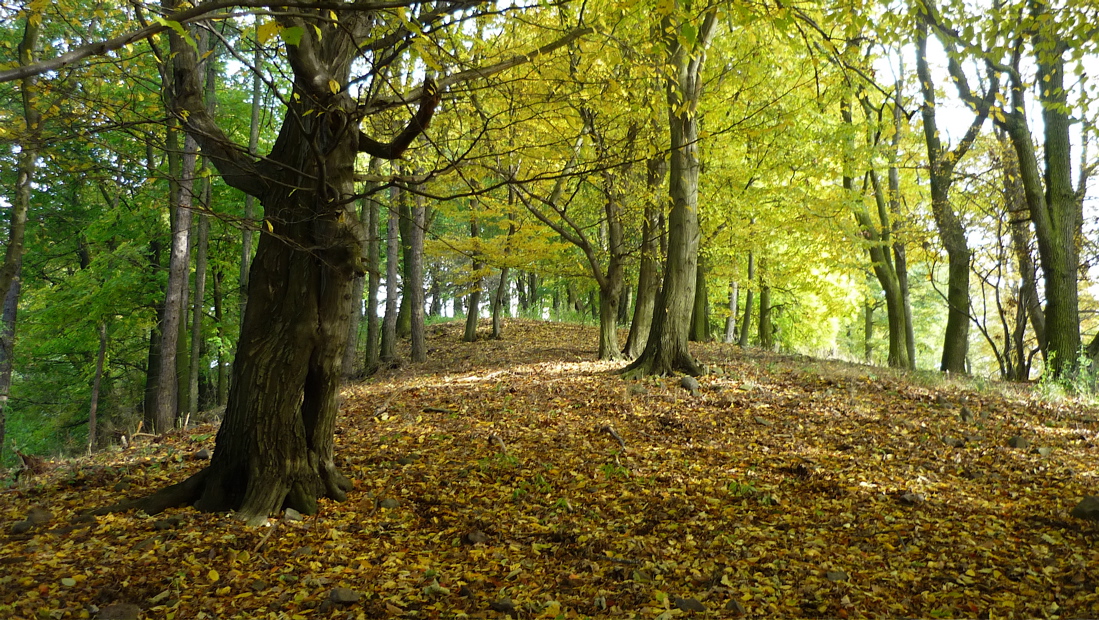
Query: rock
point(690, 384)
point(202, 455)
point(763, 421)
point(1018, 443)
point(940, 400)
point(389, 502)
point(908, 498)
point(344, 596)
point(465, 592)
point(735, 607)
point(292, 515)
point(954, 442)
point(119, 611)
point(476, 537)
point(258, 585)
point(68, 582)
point(302, 551)
point(689, 604)
point(21, 527)
point(1088, 509)
point(122, 486)
point(1044, 450)
point(965, 415)
point(406, 460)
point(170, 523)
point(836, 575)
point(636, 389)
point(504, 606)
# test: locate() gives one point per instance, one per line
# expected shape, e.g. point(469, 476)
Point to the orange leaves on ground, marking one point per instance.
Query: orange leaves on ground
point(520, 478)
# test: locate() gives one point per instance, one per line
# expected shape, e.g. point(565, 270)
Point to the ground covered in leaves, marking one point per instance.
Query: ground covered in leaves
point(521, 478)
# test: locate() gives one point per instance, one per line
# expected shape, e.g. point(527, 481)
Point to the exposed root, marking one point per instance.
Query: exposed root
point(179, 494)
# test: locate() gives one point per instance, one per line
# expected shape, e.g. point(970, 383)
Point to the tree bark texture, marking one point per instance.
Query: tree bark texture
point(415, 285)
point(97, 381)
point(749, 300)
point(700, 313)
point(473, 304)
point(730, 321)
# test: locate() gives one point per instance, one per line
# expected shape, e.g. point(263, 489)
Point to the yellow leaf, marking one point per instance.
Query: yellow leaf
point(270, 228)
point(266, 30)
point(333, 86)
point(212, 575)
point(222, 591)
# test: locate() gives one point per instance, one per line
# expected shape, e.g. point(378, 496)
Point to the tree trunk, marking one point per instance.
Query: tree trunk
point(868, 331)
point(415, 285)
point(199, 310)
point(648, 277)
point(351, 349)
point(473, 306)
point(404, 316)
point(219, 318)
point(730, 321)
point(7, 349)
point(766, 328)
point(248, 225)
point(749, 301)
point(499, 303)
point(700, 313)
point(96, 382)
point(392, 252)
point(666, 350)
point(373, 270)
point(164, 416)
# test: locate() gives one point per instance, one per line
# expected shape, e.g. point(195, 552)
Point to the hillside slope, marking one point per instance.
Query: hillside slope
point(522, 478)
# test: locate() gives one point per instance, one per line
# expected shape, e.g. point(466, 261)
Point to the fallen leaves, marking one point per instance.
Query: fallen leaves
point(505, 478)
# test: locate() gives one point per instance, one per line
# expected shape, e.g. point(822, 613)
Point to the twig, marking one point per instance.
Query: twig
point(495, 439)
point(607, 428)
point(263, 541)
point(437, 410)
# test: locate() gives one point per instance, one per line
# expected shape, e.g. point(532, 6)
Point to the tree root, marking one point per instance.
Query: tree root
point(179, 494)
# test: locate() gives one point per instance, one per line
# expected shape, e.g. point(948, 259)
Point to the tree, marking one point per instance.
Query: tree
point(666, 349)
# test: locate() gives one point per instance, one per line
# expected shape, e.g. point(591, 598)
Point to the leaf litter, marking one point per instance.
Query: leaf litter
point(520, 478)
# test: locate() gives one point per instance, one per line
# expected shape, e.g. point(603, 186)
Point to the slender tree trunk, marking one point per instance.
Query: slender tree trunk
point(499, 301)
point(163, 419)
point(219, 318)
point(766, 328)
point(900, 255)
point(648, 280)
point(96, 382)
point(749, 301)
point(700, 313)
point(415, 289)
point(473, 306)
point(7, 349)
point(373, 270)
point(730, 321)
point(199, 310)
point(868, 331)
point(351, 349)
point(10, 284)
point(392, 252)
point(404, 315)
point(247, 226)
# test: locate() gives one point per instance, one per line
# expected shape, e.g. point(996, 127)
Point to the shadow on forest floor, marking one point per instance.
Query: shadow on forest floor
point(521, 477)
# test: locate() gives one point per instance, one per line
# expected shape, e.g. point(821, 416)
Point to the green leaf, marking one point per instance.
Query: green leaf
point(292, 36)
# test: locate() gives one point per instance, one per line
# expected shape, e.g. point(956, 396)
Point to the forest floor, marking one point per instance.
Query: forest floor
point(522, 478)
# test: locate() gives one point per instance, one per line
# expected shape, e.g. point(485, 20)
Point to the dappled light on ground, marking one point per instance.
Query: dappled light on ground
point(521, 478)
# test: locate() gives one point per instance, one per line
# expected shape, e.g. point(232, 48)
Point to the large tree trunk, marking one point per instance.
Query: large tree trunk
point(275, 445)
point(666, 350)
point(404, 316)
point(198, 312)
point(249, 200)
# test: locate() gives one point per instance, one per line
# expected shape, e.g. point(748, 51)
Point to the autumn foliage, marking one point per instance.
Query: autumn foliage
point(521, 478)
